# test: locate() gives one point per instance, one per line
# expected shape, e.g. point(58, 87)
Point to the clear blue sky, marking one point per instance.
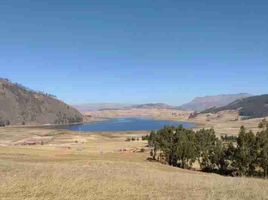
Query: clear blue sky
point(135, 51)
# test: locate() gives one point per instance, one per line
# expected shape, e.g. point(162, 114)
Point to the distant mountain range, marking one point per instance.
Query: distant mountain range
point(20, 105)
point(202, 103)
point(89, 107)
point(247, 105)
point(252, 107)
point(198, 104)
point(153, 105)
point(117, 106)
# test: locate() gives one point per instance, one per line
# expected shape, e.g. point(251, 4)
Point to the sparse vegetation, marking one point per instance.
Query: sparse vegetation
point(128, 139)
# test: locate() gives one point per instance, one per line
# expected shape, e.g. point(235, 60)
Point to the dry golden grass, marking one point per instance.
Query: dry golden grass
point(156, 113)
point(226, 122)
point(73, 166)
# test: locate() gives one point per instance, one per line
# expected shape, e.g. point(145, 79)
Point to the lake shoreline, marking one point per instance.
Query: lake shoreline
point(103, 119)
point(126, 124)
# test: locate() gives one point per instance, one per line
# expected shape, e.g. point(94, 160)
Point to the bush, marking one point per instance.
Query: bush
point(4, 122)
point(146, 137)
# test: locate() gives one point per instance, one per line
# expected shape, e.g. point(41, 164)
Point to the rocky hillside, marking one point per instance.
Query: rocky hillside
point(202, 103)
point(252, 107)
point(20, 105)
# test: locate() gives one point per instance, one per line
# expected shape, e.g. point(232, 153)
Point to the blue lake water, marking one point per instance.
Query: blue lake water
point(127, 124)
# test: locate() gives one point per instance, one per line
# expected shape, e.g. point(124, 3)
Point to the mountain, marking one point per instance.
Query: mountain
point(87, 107)
point(203, 103)
point(90, 107)
point(252, 107)
point(153, 106)
point(20, 105)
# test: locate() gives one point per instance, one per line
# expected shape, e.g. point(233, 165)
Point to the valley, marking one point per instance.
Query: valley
point(41, 159)
point(133, 100)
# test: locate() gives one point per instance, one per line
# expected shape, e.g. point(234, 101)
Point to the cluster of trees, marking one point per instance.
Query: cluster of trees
point(26, 89)
point(62, 118)
point(245, 155)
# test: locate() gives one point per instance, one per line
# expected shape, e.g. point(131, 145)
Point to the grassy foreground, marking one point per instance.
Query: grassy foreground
point(67, 165)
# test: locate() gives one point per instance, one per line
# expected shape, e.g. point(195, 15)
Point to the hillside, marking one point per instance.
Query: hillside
point(20, 105)
point(203, 103)
point(252, 107)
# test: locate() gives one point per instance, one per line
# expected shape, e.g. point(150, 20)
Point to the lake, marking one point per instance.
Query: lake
point(127, 124)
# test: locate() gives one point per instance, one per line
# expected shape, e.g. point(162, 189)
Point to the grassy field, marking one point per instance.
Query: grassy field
point(57, 165)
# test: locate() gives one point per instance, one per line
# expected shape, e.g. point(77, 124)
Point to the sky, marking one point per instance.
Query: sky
point(140, 51)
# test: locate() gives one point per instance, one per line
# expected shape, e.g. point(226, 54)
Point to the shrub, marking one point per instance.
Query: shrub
point(146, 137)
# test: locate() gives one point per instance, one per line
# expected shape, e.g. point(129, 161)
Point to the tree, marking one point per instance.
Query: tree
point(263, 124)
point(227, 158)
point(262, 146)
point(186, 151)
point(209, 148)
point(246, 152)
point(153, 143)
point(166, 143)
point(176, 144)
